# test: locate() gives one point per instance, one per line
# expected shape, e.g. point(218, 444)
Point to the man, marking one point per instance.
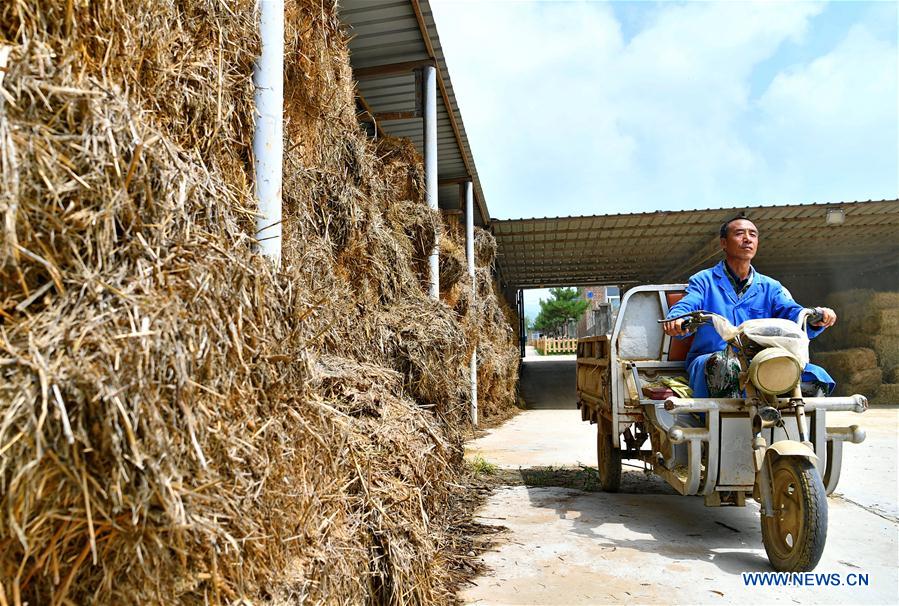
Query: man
point(734, 290)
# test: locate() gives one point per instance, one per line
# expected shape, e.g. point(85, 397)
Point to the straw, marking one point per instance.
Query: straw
point(180, 422)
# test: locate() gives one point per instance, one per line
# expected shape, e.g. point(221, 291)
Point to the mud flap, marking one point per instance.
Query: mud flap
point(792, 448)
point(781, 448)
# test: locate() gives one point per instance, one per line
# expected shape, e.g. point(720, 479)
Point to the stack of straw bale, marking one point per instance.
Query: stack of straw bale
point(862, 350)
point(180, 422)
point(489, 323)
point(855, 370)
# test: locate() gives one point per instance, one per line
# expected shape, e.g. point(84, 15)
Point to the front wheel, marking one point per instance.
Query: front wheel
point(794, 537)
point(608, 458)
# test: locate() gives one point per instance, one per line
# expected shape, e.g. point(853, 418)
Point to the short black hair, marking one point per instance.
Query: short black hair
point(723, 231)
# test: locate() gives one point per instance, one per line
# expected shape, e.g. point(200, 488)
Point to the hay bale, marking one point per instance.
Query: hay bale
point(214, 430)
point(886, 347)
point(454, 245)
point(862, 381)
point(484, 248)
point(884, 300)
point(419, 224)
point(864, 299)
point(861, 312)
point(882, 322)
point(148, 342)
point(498, 355)
point(887, 394)
point(891, 375)
point(453, 264)
point(887, 350)
point(402, 168)
point(846, 361)
point(426, 345)
point(845, 298)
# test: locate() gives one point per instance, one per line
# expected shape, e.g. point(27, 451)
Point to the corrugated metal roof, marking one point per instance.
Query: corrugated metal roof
point(386, 32)
point(671, 245)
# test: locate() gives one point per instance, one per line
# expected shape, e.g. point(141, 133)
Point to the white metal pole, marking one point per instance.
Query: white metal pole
point(469, 253)
point(469, 232)
point(268, 152)
point(429, 82)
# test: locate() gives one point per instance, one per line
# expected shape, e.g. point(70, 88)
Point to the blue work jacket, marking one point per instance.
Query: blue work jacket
point(711, 290)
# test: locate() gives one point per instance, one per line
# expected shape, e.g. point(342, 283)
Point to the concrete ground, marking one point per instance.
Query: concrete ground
point(647, 544)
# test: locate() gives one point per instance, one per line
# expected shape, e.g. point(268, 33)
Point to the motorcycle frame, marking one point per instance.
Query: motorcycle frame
point(828, 440)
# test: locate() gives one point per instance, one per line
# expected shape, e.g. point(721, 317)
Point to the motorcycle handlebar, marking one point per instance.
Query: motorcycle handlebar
point(689, 314)
point(814, 315)
point(693, 319)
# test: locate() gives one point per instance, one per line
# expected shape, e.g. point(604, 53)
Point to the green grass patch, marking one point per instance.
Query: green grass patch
point(481, 467)
point(582, 478)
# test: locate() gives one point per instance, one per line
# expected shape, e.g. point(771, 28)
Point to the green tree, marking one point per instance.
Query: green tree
point(564, 305)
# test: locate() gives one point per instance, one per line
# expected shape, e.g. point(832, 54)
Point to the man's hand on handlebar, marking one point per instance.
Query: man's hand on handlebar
point(828, 317)
point(682, 325)
point(675, 328)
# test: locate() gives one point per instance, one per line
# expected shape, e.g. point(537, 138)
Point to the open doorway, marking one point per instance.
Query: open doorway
point(554, 320)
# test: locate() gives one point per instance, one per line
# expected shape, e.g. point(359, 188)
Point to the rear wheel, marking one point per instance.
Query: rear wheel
point(608, 458)
point(794, 537)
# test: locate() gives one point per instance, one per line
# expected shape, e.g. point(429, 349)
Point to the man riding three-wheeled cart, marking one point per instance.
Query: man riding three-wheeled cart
point(710, 385)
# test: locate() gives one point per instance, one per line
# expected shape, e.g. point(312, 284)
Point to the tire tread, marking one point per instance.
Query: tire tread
point(609, 470)
point(815, 514)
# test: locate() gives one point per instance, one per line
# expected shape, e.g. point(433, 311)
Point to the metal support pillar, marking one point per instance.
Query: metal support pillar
point(268, 137)
point(522, 325)
point(469, 254)
point(429, 95)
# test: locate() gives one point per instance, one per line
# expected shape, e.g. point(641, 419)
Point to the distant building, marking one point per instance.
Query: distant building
point(604, 304)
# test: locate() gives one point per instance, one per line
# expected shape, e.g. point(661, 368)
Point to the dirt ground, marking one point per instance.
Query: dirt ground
point(565, 542)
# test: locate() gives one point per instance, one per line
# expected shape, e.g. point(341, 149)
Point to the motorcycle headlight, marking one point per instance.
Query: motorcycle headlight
point(774, 371)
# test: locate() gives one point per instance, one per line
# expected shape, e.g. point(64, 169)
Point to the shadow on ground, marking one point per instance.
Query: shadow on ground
point(676, 527)
point(584, 478)
point(548, 384)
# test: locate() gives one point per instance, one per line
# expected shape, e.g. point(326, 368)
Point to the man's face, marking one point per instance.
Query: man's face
point(742, 240)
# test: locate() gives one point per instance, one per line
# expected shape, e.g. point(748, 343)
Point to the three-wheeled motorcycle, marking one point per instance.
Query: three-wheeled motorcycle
point(772, 445)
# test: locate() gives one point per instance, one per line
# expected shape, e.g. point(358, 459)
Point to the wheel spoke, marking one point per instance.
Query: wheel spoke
point(792, 494)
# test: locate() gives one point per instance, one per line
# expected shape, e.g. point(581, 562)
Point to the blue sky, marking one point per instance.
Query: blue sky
point(576, 108)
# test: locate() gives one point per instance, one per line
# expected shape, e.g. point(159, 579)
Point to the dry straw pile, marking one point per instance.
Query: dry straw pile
point(488, 322)
point(180, 423)
point(862, 350)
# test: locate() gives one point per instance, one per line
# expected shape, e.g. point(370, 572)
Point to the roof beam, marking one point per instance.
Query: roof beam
point(571, 282)
point(562, 275)
point(602, 254)
point(542, 226)
point(762, 213)
point(580, 259)
point(531, 238)
point(539, 226)
point(454, 180)
point(391, 69)
point(646, 270)
point(391, 116)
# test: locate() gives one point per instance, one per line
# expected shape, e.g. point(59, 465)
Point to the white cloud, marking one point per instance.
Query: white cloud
point(565, 116)
point(835, 116)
